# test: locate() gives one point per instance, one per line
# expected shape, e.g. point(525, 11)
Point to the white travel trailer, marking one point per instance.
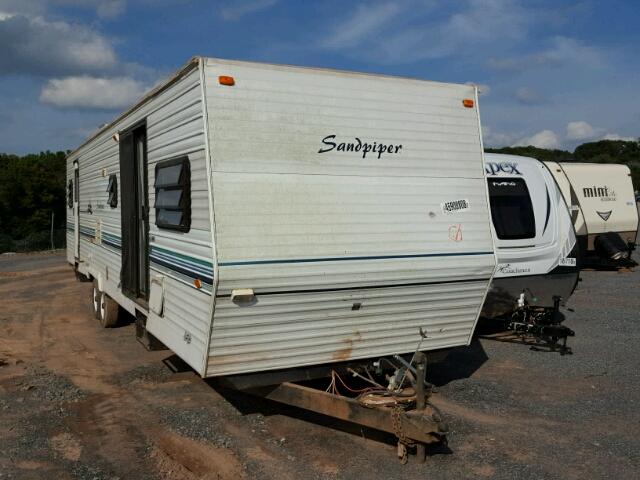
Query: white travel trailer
point(603, 209)
point(535, 244)
point(258, 217)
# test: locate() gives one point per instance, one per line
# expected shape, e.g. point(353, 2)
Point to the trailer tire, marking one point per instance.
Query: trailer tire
point(109, 312)
point(96, 300)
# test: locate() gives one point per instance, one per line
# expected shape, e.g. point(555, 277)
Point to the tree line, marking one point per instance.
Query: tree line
point(32, 188)
point(603, 151)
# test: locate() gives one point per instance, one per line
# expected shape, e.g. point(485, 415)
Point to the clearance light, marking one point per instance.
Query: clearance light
point(226, 80)
point(197, 283)
point(467, 102)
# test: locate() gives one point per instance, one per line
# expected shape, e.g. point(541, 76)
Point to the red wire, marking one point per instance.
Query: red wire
point(333, 372)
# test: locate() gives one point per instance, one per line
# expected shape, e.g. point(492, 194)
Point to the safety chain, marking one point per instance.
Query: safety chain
point(403, 440)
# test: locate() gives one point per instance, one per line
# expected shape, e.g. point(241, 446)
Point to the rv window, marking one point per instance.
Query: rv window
point(173, 194)
point(70, 194)
point(511, 209)
point(113, 191)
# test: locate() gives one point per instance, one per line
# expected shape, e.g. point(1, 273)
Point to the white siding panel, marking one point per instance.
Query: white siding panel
point(313, 233)
point(274, 118)
point(175, 127)
point(315, 328)
point(283, 223)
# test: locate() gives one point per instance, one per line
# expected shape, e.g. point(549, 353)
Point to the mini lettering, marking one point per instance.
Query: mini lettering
point(605, 193)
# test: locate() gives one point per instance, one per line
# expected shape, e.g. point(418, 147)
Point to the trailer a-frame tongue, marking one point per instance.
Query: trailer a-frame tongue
point(405, 413)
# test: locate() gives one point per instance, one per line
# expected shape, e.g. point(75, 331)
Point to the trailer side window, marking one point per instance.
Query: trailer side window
point(70, 194)
point(511, 209)
point(173, 194)
point(113, 191)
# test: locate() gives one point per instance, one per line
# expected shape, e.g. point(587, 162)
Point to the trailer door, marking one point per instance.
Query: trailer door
point(134, 273)
point(76, 209)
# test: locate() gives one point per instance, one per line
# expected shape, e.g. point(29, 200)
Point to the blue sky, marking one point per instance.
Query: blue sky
point(553, 74)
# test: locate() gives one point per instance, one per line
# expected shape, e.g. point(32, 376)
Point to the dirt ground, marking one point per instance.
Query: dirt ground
point(78, 401)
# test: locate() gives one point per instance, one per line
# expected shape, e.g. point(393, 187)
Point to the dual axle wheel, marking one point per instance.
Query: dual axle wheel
point(104, 308)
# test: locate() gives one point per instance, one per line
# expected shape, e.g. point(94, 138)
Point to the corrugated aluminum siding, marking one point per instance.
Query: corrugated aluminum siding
point(175, 127)
point(290, 330)
point(296, 225)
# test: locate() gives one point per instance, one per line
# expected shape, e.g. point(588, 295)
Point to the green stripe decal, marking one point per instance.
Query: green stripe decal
point(181, 256)
point(342, 259)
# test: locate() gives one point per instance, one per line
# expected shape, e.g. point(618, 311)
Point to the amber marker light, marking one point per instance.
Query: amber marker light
point(197, 283)
point(467, 102)
point(226, 80)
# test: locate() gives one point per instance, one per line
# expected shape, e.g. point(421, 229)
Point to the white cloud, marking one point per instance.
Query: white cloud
point(493, 138)
point(403, 31)
point(35, 45)
point(30, 7)
point(92, 92)
point(104, 8)
point(542, 139)
point(615, 136)
point(562, 51)
point(527, 96)
point(365, 20)
point(581, 130)
point(236, 10)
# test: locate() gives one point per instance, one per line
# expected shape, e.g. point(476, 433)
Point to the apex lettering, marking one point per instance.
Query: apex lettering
point(493, 168)
point(358, 146)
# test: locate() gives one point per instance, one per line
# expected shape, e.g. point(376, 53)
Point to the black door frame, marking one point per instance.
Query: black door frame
point(76, 209)
point(134, 212)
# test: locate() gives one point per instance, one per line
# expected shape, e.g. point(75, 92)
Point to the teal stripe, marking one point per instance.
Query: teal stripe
point(341, 259)
point(182, 256)
point(178, 257)
point(182, 263)
point(90, 232)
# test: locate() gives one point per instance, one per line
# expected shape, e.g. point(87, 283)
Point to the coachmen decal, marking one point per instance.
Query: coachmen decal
point(358, 146)
point(496, 168)
point(507, 269)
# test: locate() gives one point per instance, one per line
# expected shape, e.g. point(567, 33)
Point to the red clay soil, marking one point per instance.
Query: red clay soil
point(80, 401)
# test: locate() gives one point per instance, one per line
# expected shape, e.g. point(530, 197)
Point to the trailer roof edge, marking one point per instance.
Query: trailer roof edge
point(188, 67)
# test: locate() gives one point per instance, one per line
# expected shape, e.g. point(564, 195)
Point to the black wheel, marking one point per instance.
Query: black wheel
point(81, 277)
point(96, 300)
point(108, 311)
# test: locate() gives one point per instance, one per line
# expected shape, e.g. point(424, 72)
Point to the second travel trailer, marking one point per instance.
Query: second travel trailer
point(536, 245)
point(603, 208)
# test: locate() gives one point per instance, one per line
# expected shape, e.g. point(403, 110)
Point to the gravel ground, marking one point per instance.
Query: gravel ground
point(80, 402)
point(22, 262)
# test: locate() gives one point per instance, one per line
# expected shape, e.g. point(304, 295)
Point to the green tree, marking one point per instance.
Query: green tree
point(31, 188)
point(603, 151)
point(541, 154)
